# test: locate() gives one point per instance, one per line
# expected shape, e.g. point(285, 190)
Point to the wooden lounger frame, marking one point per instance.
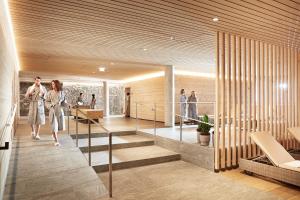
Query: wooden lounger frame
point(267, 170)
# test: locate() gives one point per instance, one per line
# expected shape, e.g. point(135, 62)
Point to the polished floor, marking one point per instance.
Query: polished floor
point(39, 170)
point(174, 180)
point(181, 180)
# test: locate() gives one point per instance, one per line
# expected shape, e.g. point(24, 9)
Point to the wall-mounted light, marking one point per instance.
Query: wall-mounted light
point(144, 77)
point(192, 73)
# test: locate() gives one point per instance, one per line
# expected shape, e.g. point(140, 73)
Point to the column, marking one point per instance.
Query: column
point(169, 96)
point(106, 98)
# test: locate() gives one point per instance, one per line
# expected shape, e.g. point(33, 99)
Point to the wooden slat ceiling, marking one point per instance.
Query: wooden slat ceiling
point(173, 32)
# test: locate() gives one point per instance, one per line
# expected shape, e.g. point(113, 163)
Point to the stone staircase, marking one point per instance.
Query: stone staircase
point(129, 150)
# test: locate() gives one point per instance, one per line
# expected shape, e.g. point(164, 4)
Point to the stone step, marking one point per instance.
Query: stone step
point(95, 135)
point(118, 142)
point(132, 157)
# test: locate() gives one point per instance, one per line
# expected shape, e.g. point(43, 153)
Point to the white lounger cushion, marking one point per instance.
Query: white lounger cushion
point(273, 150)
point(294, 165)
point(295, 131)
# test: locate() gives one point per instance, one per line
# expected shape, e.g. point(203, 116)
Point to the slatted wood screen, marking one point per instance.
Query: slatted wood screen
point(256, 90)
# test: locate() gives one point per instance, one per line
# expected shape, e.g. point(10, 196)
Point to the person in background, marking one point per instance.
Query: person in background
point(36, 116)
point(80, 99)
point(182, 101)
point(93, 101)
point(192, 106)
point(127, 105)
point(55, 101)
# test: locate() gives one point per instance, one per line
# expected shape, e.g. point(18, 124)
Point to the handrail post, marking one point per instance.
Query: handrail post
point(136, 117)
point(155, 119)
point(89, 145)
point(69, 111)
point(76, 127)
point(180, 128)
point(110, 164)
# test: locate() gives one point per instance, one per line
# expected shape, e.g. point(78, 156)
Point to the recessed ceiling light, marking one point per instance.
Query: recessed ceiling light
point(101, 69)
point(215, 19)
point(112, 63)
point(145, 49)
point(172, 37)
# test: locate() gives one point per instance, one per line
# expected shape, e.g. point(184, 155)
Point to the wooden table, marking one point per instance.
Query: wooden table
point(95, 114)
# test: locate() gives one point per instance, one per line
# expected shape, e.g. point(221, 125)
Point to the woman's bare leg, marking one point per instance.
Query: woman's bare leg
point(55, 137)
point(37, 131)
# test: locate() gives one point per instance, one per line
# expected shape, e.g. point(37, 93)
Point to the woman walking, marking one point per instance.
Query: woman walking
point(182, 101)
point(55, 101)
point(192, 109)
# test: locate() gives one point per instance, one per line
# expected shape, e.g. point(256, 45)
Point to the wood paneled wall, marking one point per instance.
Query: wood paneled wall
point(204, 88)
point(8, 89)
point(147, 92)
point(256, 90)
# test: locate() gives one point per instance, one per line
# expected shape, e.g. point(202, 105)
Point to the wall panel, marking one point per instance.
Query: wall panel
point(256, 90)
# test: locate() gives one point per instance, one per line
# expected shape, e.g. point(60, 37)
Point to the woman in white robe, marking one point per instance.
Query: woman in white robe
point(55, 101)
point(192, 106)
point(182, 101)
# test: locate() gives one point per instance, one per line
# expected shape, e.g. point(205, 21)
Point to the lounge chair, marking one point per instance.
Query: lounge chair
point(295, 131)
point(277, 164)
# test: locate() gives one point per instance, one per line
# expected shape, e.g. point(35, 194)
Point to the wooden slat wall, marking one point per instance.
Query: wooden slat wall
point(258, 90)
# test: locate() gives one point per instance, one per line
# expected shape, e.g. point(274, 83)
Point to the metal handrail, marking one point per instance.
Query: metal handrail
point(89, 144)
point(8, 123)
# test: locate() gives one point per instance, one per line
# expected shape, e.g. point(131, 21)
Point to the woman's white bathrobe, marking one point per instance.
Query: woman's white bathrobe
point(55, 101)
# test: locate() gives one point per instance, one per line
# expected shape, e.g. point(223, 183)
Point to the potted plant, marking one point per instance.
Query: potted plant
point(203, 129)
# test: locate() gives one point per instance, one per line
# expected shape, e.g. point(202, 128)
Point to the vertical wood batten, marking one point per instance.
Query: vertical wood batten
point(271, 89)
point(228, 113)
point(281, 96)
point(253, 93)
point(248, 142)
point(233, 64)
point(244, 98)
point(217, 132)
point(239, 93)
point(296, 87)
point(223, 101)
point(277, 94)
point(292, 97)
point(285, 97)
point(262, 60)
point(267, 87)
point(288, 95)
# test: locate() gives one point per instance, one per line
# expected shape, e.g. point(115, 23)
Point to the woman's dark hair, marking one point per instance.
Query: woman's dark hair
point(80, 93)
point(181, 91)
point(93, 95)
point(58, 85)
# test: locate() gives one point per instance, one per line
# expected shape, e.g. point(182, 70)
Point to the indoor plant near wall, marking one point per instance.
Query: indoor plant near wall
point(203, 129)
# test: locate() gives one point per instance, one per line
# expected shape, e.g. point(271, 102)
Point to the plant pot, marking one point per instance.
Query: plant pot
point(203, 139)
